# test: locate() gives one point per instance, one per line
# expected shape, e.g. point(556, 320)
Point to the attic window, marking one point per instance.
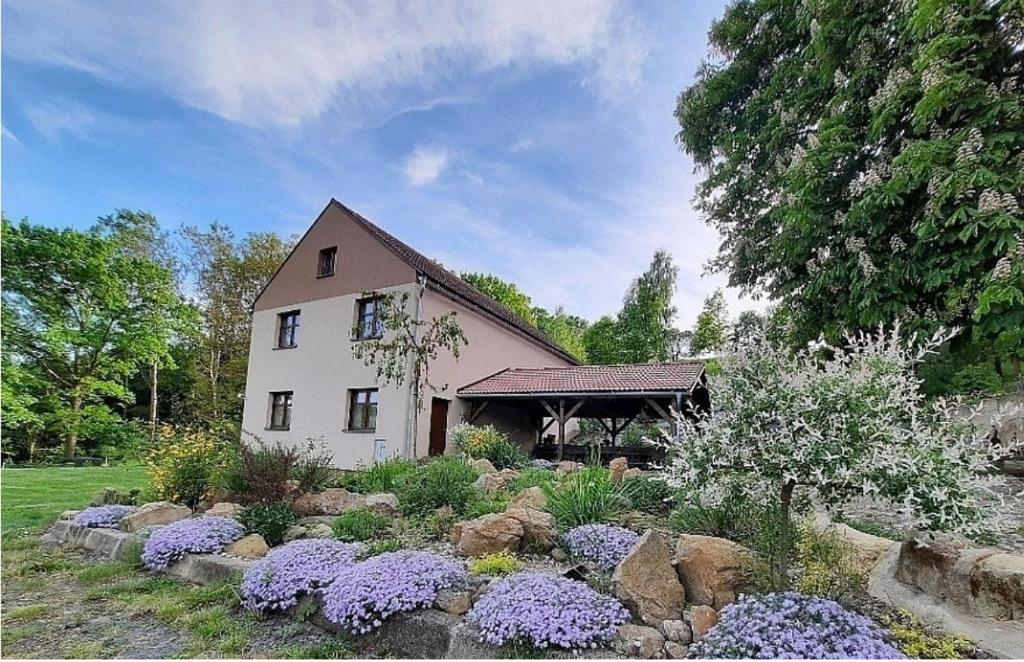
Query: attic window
point(328, 258)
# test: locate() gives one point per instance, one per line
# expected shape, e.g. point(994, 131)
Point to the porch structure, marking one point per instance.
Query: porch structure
point(613, 395)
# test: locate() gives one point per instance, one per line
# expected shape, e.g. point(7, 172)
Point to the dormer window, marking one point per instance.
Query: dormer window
point(288, 329)
point(328, 260)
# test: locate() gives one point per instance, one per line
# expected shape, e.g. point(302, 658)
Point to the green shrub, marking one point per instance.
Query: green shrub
point(495, 565)
point(916, 641)
point(828, 565)
point(270, 520)
point(489, 444)
point(359, 524)
point(444, 481)
point(258, 472)
point(382, 546)
point(648, 495)
point(532, 477)
point(585, 497)
point(183, 464)
point(314, 469)
point(479, 507)
point(384, 476)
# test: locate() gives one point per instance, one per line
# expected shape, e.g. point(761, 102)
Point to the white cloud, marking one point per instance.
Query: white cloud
point(57, 117)
point(425, 165)
point(9, 135)
point(270, 63)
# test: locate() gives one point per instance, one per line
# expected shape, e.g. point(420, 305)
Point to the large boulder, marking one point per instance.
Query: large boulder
point(568, 467)
point(483, 466)
point(252, 546)
point(638, 641)
point(539, 532)
point(488, 534)
point(617, 469)
point(332, 501)
point(492, 483)
point(153, 514)
point(647, 583)
point(385, 503)
point(531, 497)
point(712, 570)
point(225, 509)
point(927, 561)
point(997, 586)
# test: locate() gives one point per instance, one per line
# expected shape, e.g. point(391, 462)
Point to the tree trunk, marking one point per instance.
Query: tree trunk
point(71, 438)
point(154, 370)
point(785, 535)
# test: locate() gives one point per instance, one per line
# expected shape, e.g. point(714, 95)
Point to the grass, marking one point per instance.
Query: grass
point(339, 647)
point(29, 612)
point(32, 498)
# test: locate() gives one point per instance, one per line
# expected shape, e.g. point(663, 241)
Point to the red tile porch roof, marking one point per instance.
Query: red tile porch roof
point(624, 378)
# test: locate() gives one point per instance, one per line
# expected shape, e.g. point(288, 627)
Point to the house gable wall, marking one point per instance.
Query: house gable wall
point(363, 263)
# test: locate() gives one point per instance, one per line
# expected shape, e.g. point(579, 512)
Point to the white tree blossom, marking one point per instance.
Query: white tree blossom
point(840, 422)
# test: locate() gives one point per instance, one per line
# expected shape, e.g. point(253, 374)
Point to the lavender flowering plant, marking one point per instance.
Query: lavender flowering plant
point(200, 535)
point(791, 625)
point(365, 594)
point(603, 545)
point(547, 610)
point(102, 517)
point(277, 580)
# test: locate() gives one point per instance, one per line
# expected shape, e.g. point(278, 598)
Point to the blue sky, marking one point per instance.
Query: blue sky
point(532, 140)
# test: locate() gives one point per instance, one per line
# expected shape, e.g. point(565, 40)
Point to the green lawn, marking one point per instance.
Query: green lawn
point(31, 498)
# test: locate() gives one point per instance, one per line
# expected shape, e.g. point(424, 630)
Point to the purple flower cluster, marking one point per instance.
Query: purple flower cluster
point(102, 517)
point(365, 594)
point(547, 610)
point(791, 625)
point(199, 535)
point(603, 545)
point(277, 580)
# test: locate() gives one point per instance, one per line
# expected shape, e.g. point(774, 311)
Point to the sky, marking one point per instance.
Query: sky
point(531, 140)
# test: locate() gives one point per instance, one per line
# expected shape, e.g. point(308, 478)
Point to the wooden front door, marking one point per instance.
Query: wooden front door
point(438, 425)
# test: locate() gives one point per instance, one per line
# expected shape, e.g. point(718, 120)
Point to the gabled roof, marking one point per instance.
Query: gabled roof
point(679, 377)
point(455, 288)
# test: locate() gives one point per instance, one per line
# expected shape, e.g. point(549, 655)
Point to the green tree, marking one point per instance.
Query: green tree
point(865, 161)
point(226, 276)
point(711, 331)
point(83, 315)
point(646, 328)
point(505, 293)
point(564, 330)
point(601, 341)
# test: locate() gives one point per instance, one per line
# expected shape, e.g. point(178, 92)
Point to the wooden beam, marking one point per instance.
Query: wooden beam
point(561, 428)
point(661, 412)
point(575, 409)
point(476, 410)
point(604, 425)
point(554, 414)
point(625, 424)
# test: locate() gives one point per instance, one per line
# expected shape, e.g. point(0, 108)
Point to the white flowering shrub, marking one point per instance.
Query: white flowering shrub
point(839, 423)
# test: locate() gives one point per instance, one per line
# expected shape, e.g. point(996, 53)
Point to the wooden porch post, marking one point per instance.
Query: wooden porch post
point(561, 428)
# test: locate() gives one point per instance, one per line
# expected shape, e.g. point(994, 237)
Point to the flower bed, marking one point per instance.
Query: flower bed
point(365, 594)
point(300, 567)
point(197, 535)
point(791, 625)
point(102, 517)
point(546, 610)
point(603, 545)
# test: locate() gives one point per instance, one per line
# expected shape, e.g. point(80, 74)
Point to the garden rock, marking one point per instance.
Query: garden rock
point(712, 570)
point(488, 534)
point(531, 497)
point(226, 509)
point(638, 641)
point(252, 546)
point(997, 585)
point(383, 502)
point(152, 514)
point(454, 602)
point(676, 651)
point(632, 473)
point(568, 467)
point(647, 583)
point(676, 631)
point(926, 560)
point(538, 528)
point(701, 619)
point(617, 469)
point(558, 554)
point(332, 501)
point(484, 466)
point(294, 532)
